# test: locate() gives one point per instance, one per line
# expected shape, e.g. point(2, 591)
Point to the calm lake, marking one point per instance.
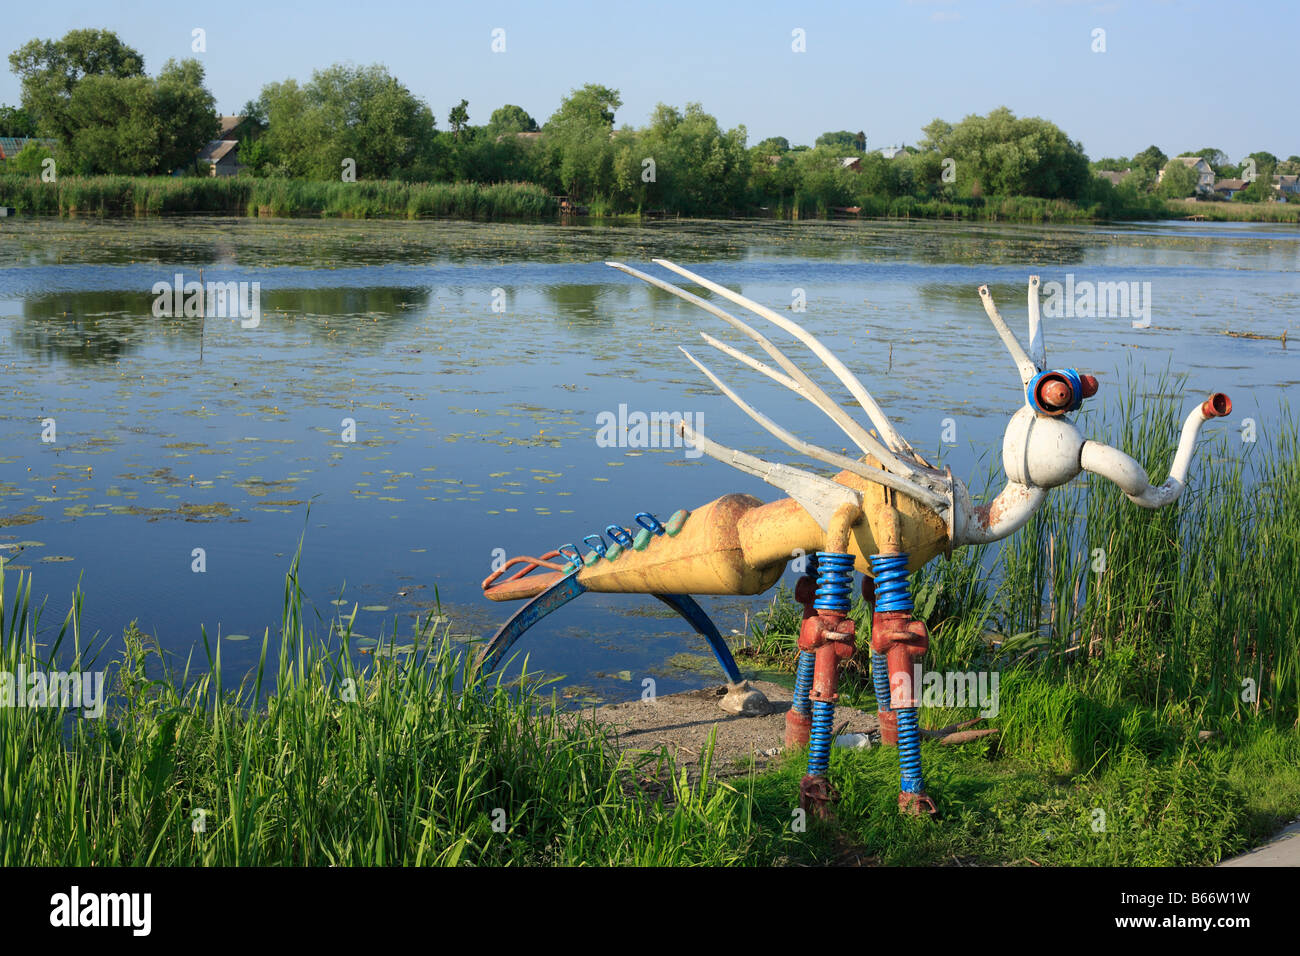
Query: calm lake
point(476, 428)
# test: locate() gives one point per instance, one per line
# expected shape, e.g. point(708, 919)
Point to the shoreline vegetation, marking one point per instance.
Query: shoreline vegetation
point(354, 141)
point(143, 196)
point(1163, 691)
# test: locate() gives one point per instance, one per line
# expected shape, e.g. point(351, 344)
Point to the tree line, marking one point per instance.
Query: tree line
point(90, 95)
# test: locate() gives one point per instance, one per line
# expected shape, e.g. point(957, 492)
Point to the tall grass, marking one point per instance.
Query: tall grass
point(240, 195)
point(1234, 211)
point(418, 761)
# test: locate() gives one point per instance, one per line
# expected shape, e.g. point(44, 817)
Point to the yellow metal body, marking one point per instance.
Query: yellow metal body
point(739, 545)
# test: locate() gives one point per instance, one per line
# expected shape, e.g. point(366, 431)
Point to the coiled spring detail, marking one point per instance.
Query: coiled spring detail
point(835, 581)
point(803, 674)
point(909, 751)
point(834, 585)
point(819, 740)
point(880, 680)
point(803, 678)
point(892, 592)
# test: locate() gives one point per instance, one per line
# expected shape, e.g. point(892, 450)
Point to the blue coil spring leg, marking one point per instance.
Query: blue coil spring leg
point(798, 719)
point(803, 676)
point(827, 638)
point(884, 713)
point(898, 639)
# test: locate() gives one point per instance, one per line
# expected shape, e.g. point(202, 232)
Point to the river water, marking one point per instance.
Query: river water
point(478, 362)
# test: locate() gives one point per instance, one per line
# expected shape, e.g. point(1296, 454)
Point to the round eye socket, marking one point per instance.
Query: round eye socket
point(1059, 391)
point(1054, 394)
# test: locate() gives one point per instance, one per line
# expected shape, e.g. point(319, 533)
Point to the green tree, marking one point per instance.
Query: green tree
point(114, 126)
point(936, 133)
point(458, 118)
point(137, 125)
point(840, 140)
point(1151, 159)
point(1000, 154)
point(1215, 157)
point(345, 112)
point(579, 153)
point(1178, 181)
point(774, 146)
point(51, 70)
point(1118, 163)
point(698, 167)
point(16, 121)
point(188, 111)
point(1259, 168)
point(510, 119)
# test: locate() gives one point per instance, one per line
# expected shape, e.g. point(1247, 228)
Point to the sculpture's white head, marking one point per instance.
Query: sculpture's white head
point(1042, 448)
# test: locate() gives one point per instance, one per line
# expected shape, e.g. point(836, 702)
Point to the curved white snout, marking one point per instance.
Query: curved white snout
point(1101, 459)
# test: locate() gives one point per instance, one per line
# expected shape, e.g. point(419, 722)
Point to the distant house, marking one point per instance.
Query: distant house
point(1227, 188)
point(851, 162)
point(889, 152)
point(1289, 185)
point(223, 154)
point(11, 146)
point(1112, 176)
point(1204, 173)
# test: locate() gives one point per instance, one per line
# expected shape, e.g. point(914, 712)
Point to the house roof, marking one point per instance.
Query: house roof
point(1192, 161)
point(218, 149)
point(848, 162)
point(1114, 177)
point(228, 123)
point(889, 152)
point(1233, 184)
point(1284, 179)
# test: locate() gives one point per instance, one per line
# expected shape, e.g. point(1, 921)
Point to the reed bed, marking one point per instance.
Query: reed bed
point(281, 198)
point(412, 761)
point(368, 199)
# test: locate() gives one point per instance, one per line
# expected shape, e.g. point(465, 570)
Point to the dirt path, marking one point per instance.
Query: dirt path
point(681, 723)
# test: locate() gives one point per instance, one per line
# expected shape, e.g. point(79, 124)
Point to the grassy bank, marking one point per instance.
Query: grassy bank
point(247, 196)
point(1234, 211)
point(1162, 691)
point(404, 763)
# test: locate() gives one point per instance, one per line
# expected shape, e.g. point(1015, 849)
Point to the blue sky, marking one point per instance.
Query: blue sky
point(1182, 75)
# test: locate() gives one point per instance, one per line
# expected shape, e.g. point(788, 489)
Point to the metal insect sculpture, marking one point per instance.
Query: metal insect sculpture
point(884, 514)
